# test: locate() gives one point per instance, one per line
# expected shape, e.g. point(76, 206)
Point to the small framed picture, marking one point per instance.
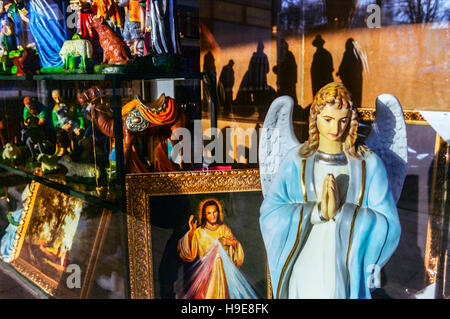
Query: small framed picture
point(58, 242)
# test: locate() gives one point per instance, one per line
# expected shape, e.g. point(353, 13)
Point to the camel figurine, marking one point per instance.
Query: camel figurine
point(163, 113)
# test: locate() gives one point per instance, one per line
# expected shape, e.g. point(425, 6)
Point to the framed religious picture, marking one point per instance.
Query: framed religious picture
point(58, 242)
point(195, 235)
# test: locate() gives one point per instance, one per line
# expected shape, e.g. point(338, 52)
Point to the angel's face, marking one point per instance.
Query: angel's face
point(332, 122)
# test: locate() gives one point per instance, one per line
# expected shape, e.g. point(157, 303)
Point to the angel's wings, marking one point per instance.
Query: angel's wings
point(388, 140)
point(277, 139)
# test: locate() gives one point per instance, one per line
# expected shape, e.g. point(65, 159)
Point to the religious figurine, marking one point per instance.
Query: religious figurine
point(134, 27)
point(161, 24)
point(74, 169)
point(68, 123)
point(85, 14)
point(35, 127)
point(2, 137)
point(115, 51)
point(329, 219)
point(26, 62)
point(137, 119)
point(47, 25)
point(49, 163)
point(205, 242)
point(4, 57)
point(74, 48)
point(19, 27)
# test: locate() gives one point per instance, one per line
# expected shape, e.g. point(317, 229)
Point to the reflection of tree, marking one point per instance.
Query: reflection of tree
point(54, 209)
point(416, 11)
point(422, 11)
point(298, 15)
point(340, 13)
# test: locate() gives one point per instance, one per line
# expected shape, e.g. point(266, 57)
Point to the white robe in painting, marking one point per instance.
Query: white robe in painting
point(362, 244)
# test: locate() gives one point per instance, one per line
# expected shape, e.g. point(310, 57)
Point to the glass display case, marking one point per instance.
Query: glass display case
point(86, 171)
point(107, 154)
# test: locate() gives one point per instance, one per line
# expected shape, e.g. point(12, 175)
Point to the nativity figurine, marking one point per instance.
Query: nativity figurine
point(35, 131)
point(68, 123)
point(115, 51)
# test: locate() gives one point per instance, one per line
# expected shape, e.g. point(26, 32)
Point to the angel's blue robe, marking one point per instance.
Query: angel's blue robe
point(363, 244)
point(48, 27)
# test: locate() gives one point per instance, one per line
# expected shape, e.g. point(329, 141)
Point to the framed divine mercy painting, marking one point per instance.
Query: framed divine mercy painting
point(58, 236)
point(195, 235)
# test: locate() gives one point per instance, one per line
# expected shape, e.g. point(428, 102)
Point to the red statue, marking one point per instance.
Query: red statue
point(115, 51)
point(162, 113)
point(27, 63)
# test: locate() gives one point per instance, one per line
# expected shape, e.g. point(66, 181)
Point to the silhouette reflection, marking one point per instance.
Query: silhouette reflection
point(322, 66)
point(286, 72)
point(254, 89)
point(350, 71)
point(209, 66)
point(225, 87)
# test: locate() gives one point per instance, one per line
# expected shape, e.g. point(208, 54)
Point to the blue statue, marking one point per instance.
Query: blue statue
point(329, 219)
point(48, 27)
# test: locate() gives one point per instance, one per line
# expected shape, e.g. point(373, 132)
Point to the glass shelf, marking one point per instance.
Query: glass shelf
point(108, 196)
point(102, 77)
point(11, 271)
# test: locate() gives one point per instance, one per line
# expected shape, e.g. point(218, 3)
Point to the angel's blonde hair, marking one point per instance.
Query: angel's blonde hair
point(336, 94)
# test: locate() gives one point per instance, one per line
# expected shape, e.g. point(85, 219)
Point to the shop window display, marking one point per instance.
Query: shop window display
point(98, 95)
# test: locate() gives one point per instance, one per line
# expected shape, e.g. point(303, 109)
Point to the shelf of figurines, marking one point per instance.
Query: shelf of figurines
point(102, 77)
point(100, 189)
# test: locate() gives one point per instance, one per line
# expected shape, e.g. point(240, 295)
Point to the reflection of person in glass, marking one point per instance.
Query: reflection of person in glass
point(225, 86)
point(257, 74)
point(209, 280)
point(351, 71)
point(322, 65)
point(286, 72)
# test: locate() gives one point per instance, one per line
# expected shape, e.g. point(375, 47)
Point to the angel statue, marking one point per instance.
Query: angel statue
point(329, 219)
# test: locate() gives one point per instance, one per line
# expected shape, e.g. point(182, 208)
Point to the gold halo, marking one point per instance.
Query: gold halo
point(203, 202)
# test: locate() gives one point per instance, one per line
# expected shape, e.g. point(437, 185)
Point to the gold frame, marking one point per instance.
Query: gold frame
point(411, 117)
point(46, 283)
point(139, 189)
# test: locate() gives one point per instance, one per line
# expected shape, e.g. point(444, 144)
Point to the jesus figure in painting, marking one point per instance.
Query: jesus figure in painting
point(215, 246)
